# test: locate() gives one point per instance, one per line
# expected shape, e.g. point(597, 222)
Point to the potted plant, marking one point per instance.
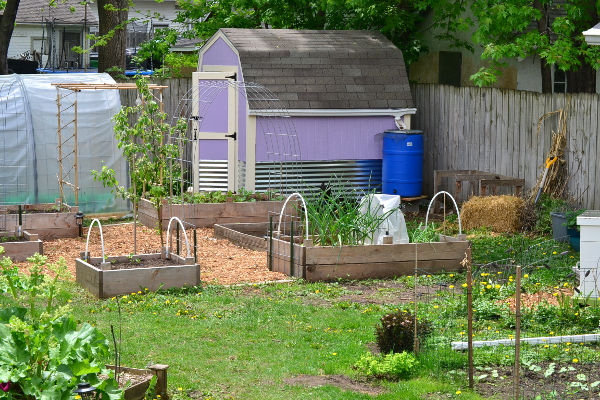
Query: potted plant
point(573, 228)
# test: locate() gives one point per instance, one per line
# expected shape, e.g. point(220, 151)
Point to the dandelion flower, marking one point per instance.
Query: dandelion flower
point(451, 275)
point(464, 285)
point(497, 286)
point(488, 286)
point(458, 392)
point(451, 286)
point(546, 346)
point(526, 276)
point(435, 307)
point(552, 333)
point(554, 294)
point(575, 360)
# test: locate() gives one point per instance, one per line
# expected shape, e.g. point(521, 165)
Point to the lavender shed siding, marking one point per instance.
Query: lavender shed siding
point(333, 138)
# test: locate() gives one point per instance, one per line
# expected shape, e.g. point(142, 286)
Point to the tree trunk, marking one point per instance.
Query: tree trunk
point(113, 53)
point(542, 25)
point(583, 80)
point(7, 25)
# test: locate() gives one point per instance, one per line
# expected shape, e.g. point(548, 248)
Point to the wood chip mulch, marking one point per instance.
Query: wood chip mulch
point(221, 262)
point(532, 300)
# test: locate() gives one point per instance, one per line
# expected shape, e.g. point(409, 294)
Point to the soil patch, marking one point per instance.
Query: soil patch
point(533, 383)
point(151, 263)
point(532, 300)
point(127, 380)
point(340, 381)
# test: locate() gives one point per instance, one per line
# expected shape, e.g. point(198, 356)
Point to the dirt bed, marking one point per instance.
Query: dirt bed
point(220, 261)
point(151, 263)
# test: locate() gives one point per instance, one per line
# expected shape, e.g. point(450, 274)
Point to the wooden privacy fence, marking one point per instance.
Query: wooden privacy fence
point(494, 130)
point(485, 129)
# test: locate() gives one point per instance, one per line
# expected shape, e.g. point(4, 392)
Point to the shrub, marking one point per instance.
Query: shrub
point(393, 365)
point(397, 332)
point(42, 353)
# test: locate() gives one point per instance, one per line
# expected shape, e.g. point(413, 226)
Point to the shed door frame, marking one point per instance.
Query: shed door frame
point(232, 127)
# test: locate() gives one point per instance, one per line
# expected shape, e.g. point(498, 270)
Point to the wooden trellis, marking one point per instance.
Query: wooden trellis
point(66, 100)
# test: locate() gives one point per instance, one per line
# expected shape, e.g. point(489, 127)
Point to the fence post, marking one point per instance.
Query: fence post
point(177, 241)
point(517, 331)
point(195, 248)
point(470, 322)
point(416, 342)
point(292, 249)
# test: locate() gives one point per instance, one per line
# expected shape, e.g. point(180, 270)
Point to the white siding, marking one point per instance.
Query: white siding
point(21, 39)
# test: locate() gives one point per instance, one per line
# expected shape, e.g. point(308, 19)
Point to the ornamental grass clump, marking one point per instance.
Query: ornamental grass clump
point(397, 332)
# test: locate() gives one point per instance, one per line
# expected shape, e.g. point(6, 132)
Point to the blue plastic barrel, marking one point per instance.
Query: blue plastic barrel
point(402, 169)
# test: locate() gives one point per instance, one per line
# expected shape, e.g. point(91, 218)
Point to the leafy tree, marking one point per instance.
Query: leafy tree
point(548, 29)
point(402, 21)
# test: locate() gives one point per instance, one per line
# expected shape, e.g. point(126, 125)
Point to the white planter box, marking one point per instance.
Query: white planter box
point(589, 227)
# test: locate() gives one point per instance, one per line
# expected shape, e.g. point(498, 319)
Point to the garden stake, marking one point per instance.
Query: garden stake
point(292, 249)
point(271, 243)
point(177, 241)
point(20, 220)
point(195, 248)
point(116, 353)
point(470, 322)
point(518, 330)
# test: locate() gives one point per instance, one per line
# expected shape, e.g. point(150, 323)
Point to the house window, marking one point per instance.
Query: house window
point(450, 68)
point(560, 80)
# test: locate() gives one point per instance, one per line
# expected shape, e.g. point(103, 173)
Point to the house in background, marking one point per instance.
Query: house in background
point(50, 33)
point(452, 66)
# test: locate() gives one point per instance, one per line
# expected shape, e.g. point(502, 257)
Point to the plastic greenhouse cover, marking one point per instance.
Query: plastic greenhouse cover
point(28, 109)
point(378, 205)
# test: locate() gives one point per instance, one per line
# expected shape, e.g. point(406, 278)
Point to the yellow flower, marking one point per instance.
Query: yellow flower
point(462, 333)
point(489, 286)
point(139, 291)
point(429, 276)
point(497, 286)
point(568, 343)
point(546, 346)
point(317, 291)
point(575, 360)
point(458, 392)
point(553, 252)
point(124, 297)
point(567, 349)
point(435, 306)
point(78, 397)
point(554, 294)
point(552, 333)
point(451, 286)
point(464, 285)
point(179, 388)
point(566, 284)
point(133, 293)
point(335, 354)
point(526, 276)
point(451, 275)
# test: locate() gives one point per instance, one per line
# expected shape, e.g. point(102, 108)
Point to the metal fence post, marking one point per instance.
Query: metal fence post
point(292, 249)
point(271, 243)
point(517, 331)
point(470, 321)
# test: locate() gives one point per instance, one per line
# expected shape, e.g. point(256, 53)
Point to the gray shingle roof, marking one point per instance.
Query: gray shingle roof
point(324, 69)
point(32, 12)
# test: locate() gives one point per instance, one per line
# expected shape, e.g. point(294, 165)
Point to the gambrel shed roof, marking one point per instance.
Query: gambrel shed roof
point(309, 69)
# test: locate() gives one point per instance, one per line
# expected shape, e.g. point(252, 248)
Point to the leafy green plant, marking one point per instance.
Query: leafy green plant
point(392, 365)
point(335, 218)
point(572, 219)
point(425, 235)
point(42, 353)
point(396, 332)
point(144, 147)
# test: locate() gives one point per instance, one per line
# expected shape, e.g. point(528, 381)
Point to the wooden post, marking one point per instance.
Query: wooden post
point(195, 248)
point(517, 330)
point(388, 239)
point(161, 379)
point(416, 338)
point(75, 155)
point(60, 166)
point(470, 322)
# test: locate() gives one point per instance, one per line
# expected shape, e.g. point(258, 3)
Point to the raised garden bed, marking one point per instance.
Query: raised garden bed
point(328, 263)
point(105, 279)
point(140, 380)
point(44, 220)
point(21, 248)
point(324, 263)
point(207, 214)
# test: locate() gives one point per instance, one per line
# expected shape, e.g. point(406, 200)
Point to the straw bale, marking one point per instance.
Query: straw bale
point(501, 213)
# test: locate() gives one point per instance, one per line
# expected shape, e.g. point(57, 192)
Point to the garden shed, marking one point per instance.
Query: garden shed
point(339, 89)
point(29, 140)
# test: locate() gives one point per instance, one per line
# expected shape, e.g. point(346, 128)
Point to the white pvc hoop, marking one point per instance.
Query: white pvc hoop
point(283, 209)
point(101, 238)
point(455, 206)
point(187, 244)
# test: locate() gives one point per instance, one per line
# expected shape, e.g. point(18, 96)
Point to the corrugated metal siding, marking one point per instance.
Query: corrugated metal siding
point(213, 175)
point(303, 176)
point(363, 175)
